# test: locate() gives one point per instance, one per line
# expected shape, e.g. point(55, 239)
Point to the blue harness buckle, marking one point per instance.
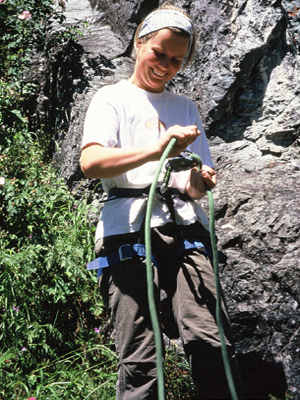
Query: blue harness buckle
point(125, 252)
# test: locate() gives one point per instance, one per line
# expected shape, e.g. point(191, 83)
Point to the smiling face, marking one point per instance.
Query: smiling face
point(158, 60)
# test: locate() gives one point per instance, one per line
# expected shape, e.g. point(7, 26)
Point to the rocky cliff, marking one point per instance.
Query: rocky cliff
point(246, 83)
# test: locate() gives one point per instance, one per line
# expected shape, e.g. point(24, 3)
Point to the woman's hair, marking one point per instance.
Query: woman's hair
point(144, 39)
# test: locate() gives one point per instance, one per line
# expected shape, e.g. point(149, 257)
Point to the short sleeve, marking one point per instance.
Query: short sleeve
point(101, 123)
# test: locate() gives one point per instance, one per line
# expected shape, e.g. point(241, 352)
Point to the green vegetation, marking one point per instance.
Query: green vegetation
point(50, 306)
point(52, 344)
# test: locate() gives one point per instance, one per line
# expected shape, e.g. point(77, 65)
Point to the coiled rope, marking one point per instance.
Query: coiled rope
point(150, 281)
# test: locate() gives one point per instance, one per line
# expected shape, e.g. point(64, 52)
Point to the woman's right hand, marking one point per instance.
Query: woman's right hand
point(185, 135)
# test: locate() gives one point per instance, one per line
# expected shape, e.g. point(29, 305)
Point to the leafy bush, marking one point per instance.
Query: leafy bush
point(178, 381)
point(50, 305)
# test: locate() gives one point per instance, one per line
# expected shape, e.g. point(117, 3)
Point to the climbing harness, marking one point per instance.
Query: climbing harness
point(185, 161)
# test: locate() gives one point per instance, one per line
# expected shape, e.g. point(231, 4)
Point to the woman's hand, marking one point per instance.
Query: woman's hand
point(185, 135)
point(195, 187)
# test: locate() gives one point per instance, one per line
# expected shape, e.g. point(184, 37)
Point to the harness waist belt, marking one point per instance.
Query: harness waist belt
point(115, 193)
point(127, 252)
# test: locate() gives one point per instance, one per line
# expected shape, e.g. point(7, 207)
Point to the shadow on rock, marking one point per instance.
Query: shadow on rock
point(260, 377)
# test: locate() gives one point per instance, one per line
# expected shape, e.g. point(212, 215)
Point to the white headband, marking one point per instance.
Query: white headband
point(161, 19)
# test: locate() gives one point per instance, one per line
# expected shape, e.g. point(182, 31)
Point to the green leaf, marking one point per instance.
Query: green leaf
point(18, 114)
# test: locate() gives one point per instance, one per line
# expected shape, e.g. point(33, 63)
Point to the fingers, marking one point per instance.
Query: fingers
point(198, 179)
point(209, 176)
point(184, 134)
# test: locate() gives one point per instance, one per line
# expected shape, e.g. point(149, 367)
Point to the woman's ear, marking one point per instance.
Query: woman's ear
point(137, 48)
point(138, 44)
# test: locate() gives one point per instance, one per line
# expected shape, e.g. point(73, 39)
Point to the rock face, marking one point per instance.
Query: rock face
point(246, 83)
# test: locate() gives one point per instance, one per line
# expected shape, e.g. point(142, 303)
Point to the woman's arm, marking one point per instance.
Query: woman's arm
point(195, 187)
point(103, 162)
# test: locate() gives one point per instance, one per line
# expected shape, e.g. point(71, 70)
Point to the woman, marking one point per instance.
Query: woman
point(127, 128)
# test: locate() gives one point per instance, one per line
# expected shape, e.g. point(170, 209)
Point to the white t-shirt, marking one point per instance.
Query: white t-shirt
point(123, 115)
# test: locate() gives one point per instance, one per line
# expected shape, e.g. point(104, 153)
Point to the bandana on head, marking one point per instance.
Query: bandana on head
point(161, 19)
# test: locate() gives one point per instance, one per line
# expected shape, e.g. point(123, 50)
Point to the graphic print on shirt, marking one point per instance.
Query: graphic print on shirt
point(155, 123)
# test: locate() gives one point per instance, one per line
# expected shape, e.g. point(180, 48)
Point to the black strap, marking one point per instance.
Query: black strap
point(115, 193)
point(127, 192)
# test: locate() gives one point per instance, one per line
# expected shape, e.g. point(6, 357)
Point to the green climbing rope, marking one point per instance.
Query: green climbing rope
point(150, 282)
point(225, 356)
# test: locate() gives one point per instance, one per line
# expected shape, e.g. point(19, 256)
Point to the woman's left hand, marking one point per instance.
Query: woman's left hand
point(198, 179)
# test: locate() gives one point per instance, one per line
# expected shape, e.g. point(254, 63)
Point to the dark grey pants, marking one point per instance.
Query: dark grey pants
point(191, 298)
